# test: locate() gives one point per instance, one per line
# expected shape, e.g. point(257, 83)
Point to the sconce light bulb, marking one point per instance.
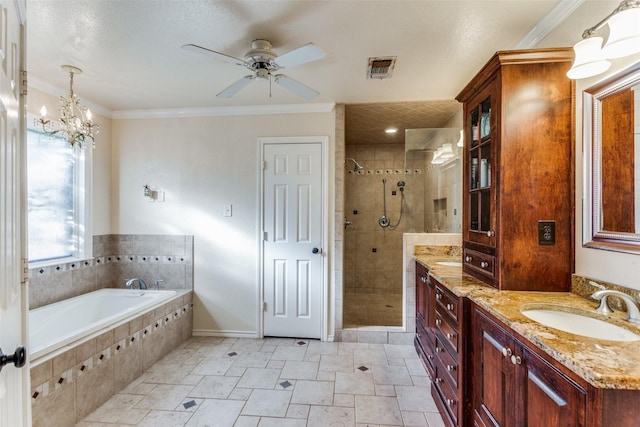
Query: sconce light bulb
point(43, 111)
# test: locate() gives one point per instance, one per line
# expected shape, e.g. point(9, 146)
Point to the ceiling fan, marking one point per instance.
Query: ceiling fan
point(265, 63)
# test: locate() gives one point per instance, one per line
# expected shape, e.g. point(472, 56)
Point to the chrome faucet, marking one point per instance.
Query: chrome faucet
point(156, 284)
point(130, 283)
point(633, 313)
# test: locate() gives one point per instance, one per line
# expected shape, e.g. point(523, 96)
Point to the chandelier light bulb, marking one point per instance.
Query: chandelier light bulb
point(89, 115)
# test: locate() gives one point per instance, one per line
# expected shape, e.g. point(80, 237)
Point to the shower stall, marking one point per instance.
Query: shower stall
point(391, 189)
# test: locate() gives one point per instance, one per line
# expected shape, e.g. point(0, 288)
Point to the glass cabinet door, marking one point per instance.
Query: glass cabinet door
point(480, 185)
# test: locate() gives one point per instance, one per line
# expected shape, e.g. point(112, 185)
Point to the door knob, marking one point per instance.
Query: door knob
point(18, 358)
point(316, 250)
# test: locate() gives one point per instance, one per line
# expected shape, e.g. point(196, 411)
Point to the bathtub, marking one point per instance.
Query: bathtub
point(57, 325)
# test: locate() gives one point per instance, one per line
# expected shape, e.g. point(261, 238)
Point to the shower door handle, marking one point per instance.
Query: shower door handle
point(316, 250)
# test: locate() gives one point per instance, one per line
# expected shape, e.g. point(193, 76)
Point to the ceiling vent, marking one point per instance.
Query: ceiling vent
point(381, 67)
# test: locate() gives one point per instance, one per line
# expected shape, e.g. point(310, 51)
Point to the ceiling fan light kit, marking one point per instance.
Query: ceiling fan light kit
point(264, 63)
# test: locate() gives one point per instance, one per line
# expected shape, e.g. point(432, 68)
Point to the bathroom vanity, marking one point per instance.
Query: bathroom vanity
point(491, 365)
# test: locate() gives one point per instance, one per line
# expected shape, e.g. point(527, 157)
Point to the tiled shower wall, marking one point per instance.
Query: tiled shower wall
point(116, 258)
point(372, 275)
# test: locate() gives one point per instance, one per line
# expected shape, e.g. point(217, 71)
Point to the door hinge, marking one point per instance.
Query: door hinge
point(23, 82)
point(264, 165)
point(265, 236)
point(24, 270)
point(264, 306)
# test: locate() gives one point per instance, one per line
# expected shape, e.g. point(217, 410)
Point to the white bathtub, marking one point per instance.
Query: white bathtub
point(57, 325)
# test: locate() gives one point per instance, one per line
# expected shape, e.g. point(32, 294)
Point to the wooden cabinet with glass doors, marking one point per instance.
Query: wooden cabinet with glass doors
point(518, 174)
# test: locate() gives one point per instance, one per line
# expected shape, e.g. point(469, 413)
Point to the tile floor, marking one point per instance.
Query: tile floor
point(276, 382)
point(368, 309)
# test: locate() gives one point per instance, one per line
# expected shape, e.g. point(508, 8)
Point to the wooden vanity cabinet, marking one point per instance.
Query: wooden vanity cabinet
point(514, 386)
point(425, 340)
point(449, 385)
point(518, 171)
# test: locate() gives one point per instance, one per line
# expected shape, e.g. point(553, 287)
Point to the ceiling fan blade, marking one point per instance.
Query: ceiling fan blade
point(235, 87)
point(307, 53)
point(296, 87)
point(213, 53)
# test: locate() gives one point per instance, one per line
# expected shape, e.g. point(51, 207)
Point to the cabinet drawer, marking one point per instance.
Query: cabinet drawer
point(448, 333)
point(447, 302)
point(449, 365)
point(448, 395)
point(480, 262)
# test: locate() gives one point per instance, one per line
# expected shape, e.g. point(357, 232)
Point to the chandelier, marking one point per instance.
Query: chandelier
point(591, 58)
point(75, 120)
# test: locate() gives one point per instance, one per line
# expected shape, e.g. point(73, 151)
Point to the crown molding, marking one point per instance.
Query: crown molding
point(246, 110)
point(548, 23)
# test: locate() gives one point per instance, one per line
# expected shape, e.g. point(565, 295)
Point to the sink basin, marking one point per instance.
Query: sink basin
point(450, 263)
point(580, 325)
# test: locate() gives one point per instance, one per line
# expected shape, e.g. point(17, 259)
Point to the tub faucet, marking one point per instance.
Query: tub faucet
point(633, 313)
point(130, 283)
point(156, 284)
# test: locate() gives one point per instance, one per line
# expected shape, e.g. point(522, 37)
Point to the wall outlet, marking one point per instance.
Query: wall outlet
point(546, 232)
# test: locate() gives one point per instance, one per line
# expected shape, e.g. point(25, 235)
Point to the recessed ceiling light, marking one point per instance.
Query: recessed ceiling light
point(391, 130)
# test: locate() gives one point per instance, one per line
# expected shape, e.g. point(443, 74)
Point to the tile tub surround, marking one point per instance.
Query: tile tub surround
point(68, 386)
point(604, 364)
point(276, 382)
point(116, 258)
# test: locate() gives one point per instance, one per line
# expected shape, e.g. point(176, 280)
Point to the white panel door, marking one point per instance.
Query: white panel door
point(293, 224)
point(14, 382)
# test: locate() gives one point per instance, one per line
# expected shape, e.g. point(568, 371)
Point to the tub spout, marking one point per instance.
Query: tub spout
point(131, 283)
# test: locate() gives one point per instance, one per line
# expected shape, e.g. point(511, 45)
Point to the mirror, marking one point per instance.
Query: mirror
point(611, 129)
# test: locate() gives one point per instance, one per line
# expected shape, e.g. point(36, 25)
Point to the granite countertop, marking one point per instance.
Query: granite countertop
point(602, 363)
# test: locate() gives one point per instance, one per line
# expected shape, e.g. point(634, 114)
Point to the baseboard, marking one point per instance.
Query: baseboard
point(225, 334)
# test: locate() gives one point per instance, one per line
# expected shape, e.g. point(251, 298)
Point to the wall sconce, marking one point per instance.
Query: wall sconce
point(153, 195)
point(591, 58)
point(442, 154)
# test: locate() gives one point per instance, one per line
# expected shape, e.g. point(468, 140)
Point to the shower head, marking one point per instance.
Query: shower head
point(357, 166)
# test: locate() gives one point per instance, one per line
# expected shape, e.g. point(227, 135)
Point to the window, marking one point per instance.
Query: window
point(57, 200)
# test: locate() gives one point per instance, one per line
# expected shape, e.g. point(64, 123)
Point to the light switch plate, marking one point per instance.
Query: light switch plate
point(228, 210)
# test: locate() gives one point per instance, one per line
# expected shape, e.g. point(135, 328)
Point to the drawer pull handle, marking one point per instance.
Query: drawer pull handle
point(451, 336)
point(450, 307)
point(438, 380)
point(439, 349)
point(451, 368)
point(516, 360)
point(484, 264)
point(490, 233)
point(438, 296)
point(506, 352)
point(468, 259)
point(438, 322)
point(430, 357)
point(450, 402)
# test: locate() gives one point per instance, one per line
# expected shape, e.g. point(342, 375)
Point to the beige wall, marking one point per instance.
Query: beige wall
point(202, 164)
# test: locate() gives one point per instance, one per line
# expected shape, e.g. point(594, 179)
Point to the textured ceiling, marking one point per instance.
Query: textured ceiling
point(130, 51)
point(366, 123)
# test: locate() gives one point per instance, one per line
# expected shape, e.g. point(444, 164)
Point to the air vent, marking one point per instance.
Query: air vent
point(381, 67)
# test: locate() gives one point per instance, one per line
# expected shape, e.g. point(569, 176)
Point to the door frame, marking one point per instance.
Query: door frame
point(324, 144)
